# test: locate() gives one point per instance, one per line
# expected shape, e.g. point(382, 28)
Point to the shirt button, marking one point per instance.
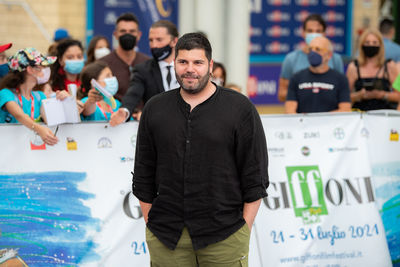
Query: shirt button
point(189, 121)
point(187, 141)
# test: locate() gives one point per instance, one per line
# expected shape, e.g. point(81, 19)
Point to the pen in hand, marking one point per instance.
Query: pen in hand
point(55, 133)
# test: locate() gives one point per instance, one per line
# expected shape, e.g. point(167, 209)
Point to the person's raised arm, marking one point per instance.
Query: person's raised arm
point(130, 100)
point(45, 133)
point(89, 107)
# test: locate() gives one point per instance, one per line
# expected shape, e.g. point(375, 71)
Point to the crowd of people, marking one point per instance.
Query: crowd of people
point(312, 77)
point(313, 80)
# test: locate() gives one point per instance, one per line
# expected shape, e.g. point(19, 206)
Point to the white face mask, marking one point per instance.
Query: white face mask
point(218, 81)
point(46, 76)
point(101, 52)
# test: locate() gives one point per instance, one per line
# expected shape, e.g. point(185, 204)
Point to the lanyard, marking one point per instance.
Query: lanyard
point(102, 111)
point(32, 105)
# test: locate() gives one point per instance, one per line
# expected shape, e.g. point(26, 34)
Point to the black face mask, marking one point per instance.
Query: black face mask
point(127, 41)
point(161, 53)
point(370, 51)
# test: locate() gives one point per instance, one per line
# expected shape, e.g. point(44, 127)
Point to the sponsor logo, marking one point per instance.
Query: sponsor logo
point(342, 149)
point(278, 16)
point(277, 31)
point(305, 150)
point(278, 2)
point(276, 152)
point(338, 47)
point(332, 16)
point(311, 135)
point(36, 142)
point(299, 45)
point(161, 9)
point(104, 142)
point(307, 2)
point(308, 193)
point(126, 159)
point(338, 133)
point(394, 135)
point(334, 3)
point(283, 135)
point(257, 87)
point(298, 31)
point(256, 6)
point(255, 48)
point(332, 31)
point(364, 132)
point(308, 204)
point(255, 31)
point(110, 18)
point(301, 16)
point(71, 144)
point(276, 47)
point(118, 3)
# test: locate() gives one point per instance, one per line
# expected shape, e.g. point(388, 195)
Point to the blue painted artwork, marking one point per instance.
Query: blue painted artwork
point(43, 220)
point(389, 194)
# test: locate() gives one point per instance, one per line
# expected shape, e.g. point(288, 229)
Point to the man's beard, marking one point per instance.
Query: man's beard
point(193, 89)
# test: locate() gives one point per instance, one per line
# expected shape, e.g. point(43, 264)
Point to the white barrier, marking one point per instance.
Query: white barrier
point(70, 204)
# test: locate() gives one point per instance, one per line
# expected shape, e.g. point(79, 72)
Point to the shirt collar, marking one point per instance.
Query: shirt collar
point(164, 64)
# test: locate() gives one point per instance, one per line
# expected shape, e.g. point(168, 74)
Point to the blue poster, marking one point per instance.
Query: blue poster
point(263, 83)
point(102, 16)
point(276, 26)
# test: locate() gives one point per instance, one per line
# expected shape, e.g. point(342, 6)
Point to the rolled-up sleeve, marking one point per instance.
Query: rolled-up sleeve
point(252, 157)
point(143, 180)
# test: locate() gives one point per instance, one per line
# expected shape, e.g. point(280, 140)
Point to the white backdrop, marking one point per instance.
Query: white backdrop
point(329, 174)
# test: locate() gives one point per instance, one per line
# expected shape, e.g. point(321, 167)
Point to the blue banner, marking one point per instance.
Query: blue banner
point(102, 16)
point(276, 26)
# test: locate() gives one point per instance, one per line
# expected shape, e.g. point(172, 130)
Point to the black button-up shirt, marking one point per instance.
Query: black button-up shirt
point(198, 167)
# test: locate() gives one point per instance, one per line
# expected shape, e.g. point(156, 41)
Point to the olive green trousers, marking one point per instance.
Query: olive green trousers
point(231, 252)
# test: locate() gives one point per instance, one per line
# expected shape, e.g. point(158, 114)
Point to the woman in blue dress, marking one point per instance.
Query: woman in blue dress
point(18, 103)
point(96, 107)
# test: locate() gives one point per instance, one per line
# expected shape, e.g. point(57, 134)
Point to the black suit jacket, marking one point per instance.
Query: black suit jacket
point(146, 83)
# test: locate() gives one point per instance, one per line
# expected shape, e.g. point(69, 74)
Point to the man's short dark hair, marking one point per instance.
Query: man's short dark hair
point(171, 28)
point(127, 17)
point(194, 40)
point(386, 26)
point(317, 18)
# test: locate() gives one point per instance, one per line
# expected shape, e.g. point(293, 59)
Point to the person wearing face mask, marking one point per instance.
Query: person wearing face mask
point(313, 26)
point(3, 60)
point(97, 48)
point(154, 76)
point(318, 88)
point(219, 74)
point(371, 76)
point(95, 108)
point(18, 103)
point(69, 64)
point(122, 60)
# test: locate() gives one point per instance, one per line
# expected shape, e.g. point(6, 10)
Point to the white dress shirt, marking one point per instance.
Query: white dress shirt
point(164, 71)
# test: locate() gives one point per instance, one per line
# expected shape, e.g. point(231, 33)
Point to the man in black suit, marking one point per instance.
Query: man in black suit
point(153, 76)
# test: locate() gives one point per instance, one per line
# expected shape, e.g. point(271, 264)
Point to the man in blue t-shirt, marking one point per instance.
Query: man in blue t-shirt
point(318, 88)
point(313, 26)
point(392, 50)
